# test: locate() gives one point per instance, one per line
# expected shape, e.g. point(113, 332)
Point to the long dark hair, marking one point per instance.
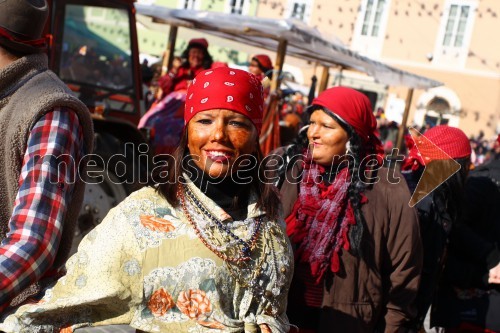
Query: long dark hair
point(267, 197)
point(452, 190)
point(207, 58)
point(356, 187)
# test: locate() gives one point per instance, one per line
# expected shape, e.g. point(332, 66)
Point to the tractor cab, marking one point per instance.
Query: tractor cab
point(93, 49)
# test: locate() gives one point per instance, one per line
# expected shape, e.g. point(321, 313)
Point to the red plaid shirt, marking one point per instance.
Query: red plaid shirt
point(28, 251)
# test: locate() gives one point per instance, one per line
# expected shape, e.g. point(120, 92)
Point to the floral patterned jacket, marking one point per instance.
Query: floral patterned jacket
point(145, 266)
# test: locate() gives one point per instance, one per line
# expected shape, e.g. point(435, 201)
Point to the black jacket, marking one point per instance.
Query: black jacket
point(435, 222)
point(472, 252)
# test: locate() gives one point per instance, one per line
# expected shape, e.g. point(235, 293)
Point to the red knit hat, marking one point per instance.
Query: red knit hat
point(355, 109)
point(264, 61)
point(198, 42)
point(450, 140)
point(226, 88)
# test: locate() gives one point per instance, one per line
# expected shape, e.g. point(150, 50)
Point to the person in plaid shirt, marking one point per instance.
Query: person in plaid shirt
point(45, 132)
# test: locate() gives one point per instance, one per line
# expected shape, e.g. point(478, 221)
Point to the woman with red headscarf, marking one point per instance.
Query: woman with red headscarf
point(357, 245)
point(196, 59)
point(261, 66)
point(443, 152)
point(460, 231)
point(203, 251)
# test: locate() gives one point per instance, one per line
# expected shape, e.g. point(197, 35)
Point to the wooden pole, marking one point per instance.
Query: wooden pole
point(325, 75)
point(278, 65)
point(168, 57)
point(402, 127)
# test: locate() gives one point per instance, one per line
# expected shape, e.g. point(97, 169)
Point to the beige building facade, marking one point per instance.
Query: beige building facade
point(452, 41)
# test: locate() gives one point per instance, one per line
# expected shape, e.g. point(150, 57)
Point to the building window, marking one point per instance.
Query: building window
point(455, 33)
point(236, 6)
point(373, 15)
point(458, 16)
point(299, 9)
point(188, 4)
point(371, 24)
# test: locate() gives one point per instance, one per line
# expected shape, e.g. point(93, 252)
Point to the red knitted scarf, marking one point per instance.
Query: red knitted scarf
point(320, 220)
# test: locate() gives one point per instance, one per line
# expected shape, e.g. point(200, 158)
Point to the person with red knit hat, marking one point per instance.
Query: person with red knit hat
point(358, 251)
point(203, 250)
point(196, 60)
point(439, 151)
point(467, 298)
point(261, 66)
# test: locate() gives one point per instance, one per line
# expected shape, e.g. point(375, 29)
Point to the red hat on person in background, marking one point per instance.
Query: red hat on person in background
point(264, 61)
point(198, 42)
point(226, 88)
point(451, 141)
point(355, 109)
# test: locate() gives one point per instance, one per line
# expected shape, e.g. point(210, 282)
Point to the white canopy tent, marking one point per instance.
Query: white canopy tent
point(290, 37)
point(302, 41)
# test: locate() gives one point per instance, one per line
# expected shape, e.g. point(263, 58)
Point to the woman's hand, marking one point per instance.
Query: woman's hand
point(494, 276)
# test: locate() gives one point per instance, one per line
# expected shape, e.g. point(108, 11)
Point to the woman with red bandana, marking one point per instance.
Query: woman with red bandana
point(466, 219)
point(204, 250)
point(437, 151)
point(197, 59)
point(262, 67)
point(357, 245)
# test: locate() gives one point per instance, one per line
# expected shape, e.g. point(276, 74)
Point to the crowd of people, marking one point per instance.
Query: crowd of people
point(324, 234)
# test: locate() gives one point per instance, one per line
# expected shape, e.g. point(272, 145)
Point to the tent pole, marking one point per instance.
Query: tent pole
point(325, 75)
point(402, 127)
point(168, 57)
point(278, 65)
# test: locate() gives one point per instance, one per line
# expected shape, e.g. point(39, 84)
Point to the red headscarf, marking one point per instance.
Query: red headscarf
point(202, 42)
point(451, 141)
point(225, 88)
point(355, 109)
point(264, 61)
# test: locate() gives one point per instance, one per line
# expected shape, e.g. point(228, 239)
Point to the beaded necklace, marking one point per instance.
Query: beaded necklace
point(246, 271)
point(247, 246)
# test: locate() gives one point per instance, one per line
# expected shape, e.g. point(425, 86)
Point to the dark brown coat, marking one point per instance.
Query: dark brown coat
point(383, 284)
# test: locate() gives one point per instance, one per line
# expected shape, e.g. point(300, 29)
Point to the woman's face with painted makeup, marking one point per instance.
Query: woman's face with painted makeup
point(218, 138)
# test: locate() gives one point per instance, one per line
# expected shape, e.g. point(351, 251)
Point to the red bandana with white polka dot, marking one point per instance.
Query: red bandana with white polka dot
point(226, 88)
